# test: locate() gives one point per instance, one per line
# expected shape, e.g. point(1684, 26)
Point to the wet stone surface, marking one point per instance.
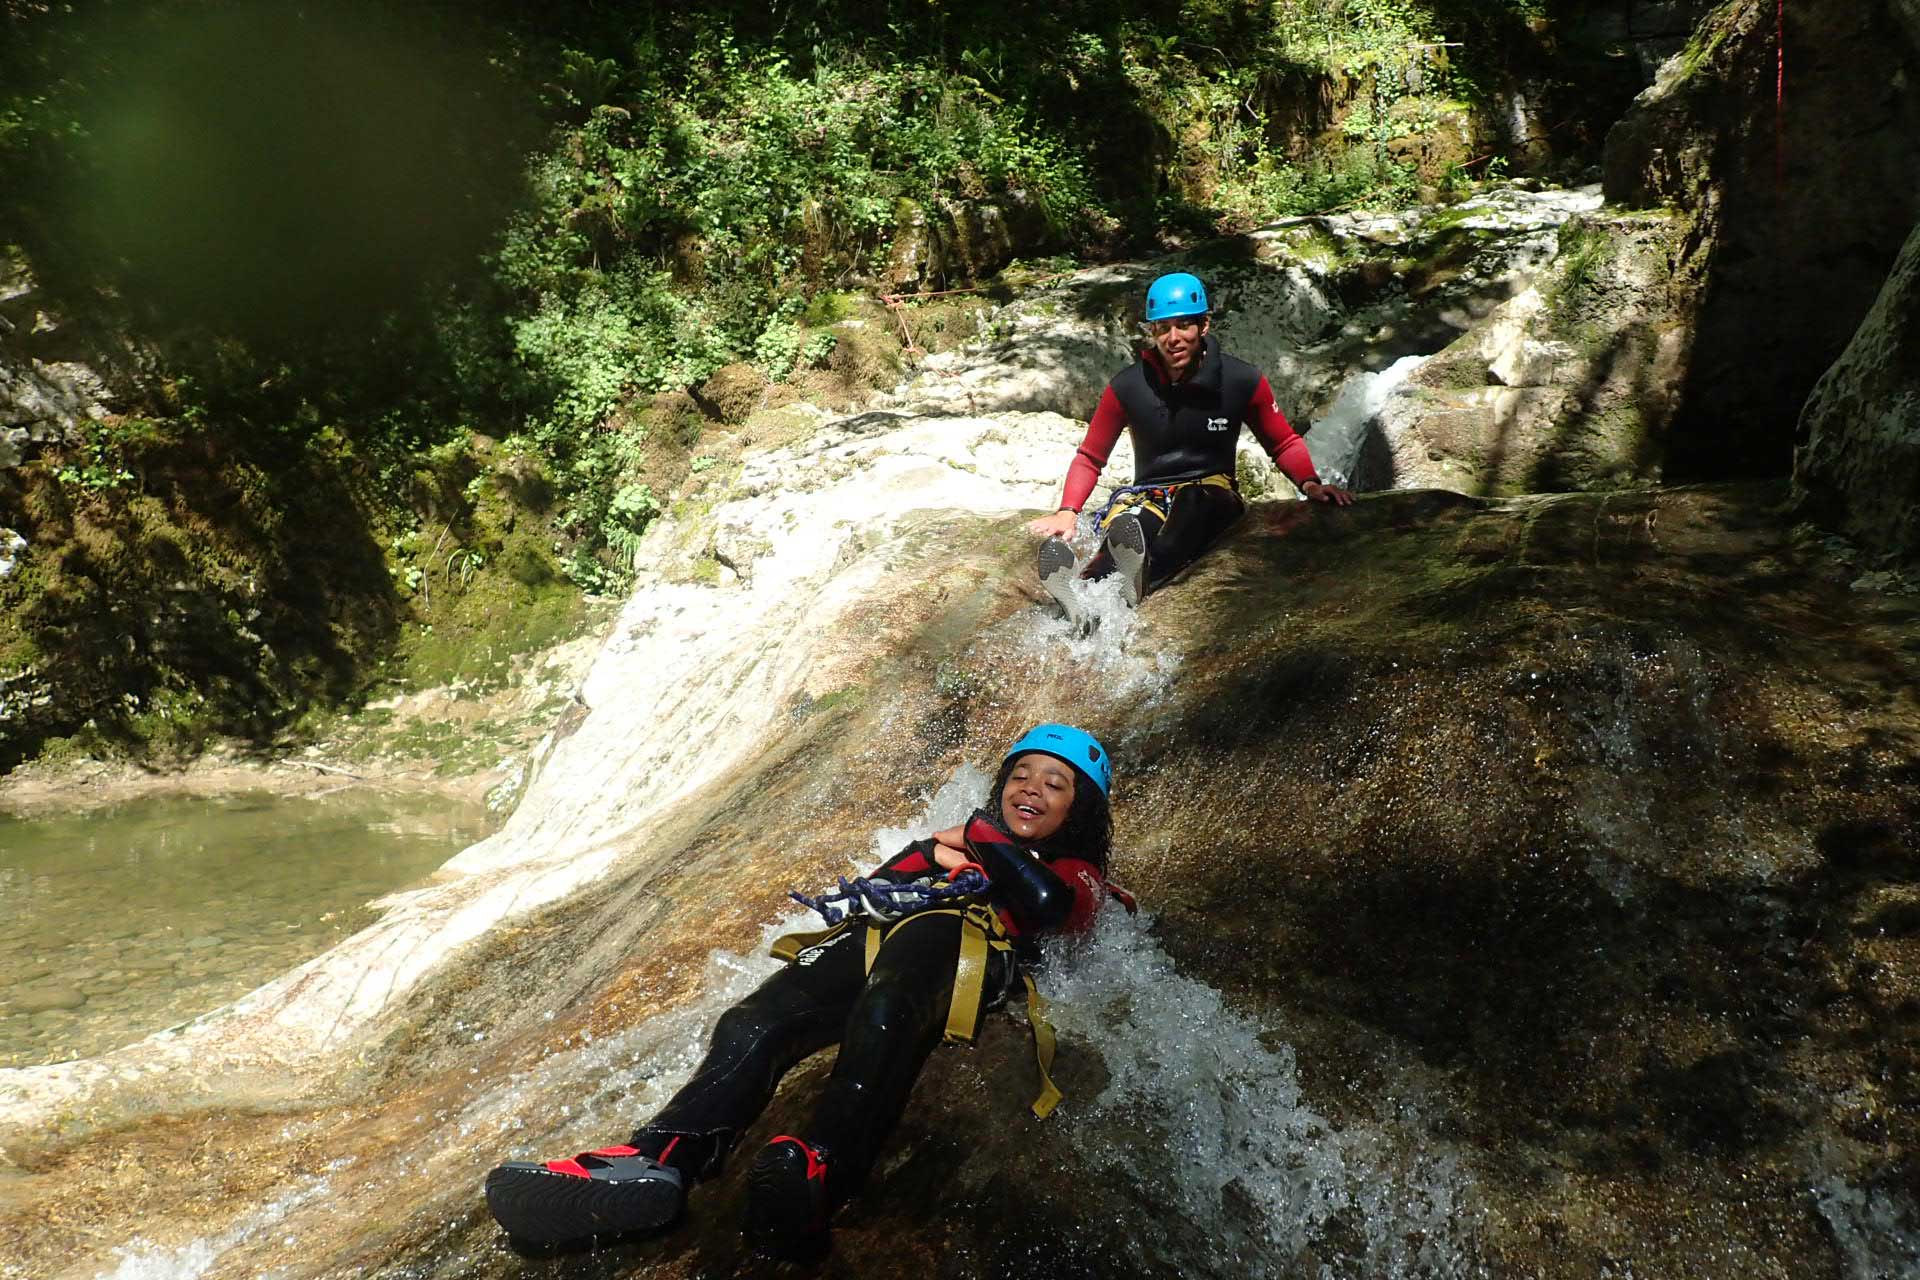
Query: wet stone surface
point(1531, 891)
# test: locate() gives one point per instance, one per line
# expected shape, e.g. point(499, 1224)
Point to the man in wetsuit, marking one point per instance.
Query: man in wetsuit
point(1184, 402)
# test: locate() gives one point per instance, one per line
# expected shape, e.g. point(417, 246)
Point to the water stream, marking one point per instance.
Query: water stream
point(1531, 891)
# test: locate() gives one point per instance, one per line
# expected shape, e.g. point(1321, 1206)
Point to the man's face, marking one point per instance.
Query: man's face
point(1179, 342)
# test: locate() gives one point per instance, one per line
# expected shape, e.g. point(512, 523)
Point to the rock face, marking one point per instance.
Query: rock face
point(1859, 469)
point(1568, 385)
point(1799, 203)
point(951, 242)
point(1531, 891)
point(51, 377)
point(1551, 334)
point(1908, 12)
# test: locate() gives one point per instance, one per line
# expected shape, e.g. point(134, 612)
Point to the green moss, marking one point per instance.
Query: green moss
point(827, 308)
point(1255, 481)
point(839, 699)
point(1310, 243)
point(1585, 248)
point(1702, 45)
point(493, 620)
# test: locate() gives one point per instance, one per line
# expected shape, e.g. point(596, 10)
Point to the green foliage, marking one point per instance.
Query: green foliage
point(587, 81)
point(696, 186)
point(105, 453)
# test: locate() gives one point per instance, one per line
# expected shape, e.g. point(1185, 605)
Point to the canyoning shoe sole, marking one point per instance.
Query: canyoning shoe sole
point(1056, 566)
point(1127, 544)
point(611, 1192)
point(788, 1208)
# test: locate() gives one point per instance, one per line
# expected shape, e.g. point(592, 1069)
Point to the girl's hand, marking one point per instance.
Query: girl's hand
point(1058, 525)
point(950, 848)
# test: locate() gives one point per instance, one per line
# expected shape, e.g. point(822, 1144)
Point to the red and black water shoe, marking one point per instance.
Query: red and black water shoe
point(788, 1208)
point(614, 1191)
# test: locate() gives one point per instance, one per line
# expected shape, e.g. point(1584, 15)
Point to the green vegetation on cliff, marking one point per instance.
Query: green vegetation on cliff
point(423, 290)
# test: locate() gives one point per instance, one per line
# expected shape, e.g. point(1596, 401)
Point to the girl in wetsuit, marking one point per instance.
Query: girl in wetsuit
point(1042, 842)
point(1183, 403)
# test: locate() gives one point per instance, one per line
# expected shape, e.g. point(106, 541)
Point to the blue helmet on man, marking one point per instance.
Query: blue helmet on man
point(1176, 295)
point(1076, 747)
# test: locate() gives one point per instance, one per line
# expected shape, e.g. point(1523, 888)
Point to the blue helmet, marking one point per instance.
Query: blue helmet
point(1076, 747)
point(1176, 295)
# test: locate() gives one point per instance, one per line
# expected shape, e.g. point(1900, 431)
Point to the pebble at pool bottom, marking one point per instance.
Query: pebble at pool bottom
point(127, 920)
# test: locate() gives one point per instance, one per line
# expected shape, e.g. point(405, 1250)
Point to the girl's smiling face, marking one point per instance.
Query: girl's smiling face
point(1038, 796)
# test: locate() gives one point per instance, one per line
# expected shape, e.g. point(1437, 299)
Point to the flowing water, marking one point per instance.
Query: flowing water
point(1532, 889)
point(127, 920)
point(1518, 902)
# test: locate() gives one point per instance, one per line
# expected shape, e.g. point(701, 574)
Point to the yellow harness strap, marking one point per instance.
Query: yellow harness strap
point(981, 934)
point(1127, 502)
point(788, 947)
point(1043, 1046)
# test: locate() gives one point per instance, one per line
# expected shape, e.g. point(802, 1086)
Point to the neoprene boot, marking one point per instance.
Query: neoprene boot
point(1127, 544)
point(788, 1206)
point(612, 1191)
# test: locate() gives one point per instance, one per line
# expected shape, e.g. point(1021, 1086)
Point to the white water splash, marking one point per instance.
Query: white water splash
point(949, 806)
point(1337, 440)
point(140, 1260)
point(1126, 671)
point(1203, 1117)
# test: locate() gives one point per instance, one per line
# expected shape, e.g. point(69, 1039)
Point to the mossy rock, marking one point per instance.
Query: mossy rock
point(865, 356)
point(733, 392)
point(777, 427)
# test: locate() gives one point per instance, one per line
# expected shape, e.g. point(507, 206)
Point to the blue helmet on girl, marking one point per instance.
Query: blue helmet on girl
point(1176, 295)
point(1076, 747)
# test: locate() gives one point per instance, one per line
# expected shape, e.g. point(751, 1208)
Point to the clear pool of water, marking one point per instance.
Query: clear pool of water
point(127, 920)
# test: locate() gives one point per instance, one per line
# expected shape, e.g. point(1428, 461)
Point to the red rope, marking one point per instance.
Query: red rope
point(1780, 93)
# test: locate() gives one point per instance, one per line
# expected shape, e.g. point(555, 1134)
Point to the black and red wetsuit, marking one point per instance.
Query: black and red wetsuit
point(1031, 894)
point(886, 1021)
point(1183, 431)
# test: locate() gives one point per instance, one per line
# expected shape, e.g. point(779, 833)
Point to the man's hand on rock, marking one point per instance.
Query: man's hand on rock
point(1058, 525)
point(1317, 492)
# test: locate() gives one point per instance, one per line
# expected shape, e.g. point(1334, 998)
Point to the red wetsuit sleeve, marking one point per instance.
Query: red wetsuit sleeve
point(1102, 434)
point(910, 863)
point(1277, 436)
point(1089, 891)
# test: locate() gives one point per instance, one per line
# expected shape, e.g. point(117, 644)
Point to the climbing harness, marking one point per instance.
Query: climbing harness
point(1156, 498)
point(885, 908)
point(889, 900)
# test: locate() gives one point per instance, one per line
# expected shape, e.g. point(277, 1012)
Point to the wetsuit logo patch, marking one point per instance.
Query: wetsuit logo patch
point(1216, 424)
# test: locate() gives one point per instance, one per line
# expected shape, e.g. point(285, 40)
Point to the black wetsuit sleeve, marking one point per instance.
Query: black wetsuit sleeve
point(910, 863)
point(1037, 898)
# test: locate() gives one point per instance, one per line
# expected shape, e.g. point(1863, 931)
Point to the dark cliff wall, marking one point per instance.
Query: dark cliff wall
point(1802, 195)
